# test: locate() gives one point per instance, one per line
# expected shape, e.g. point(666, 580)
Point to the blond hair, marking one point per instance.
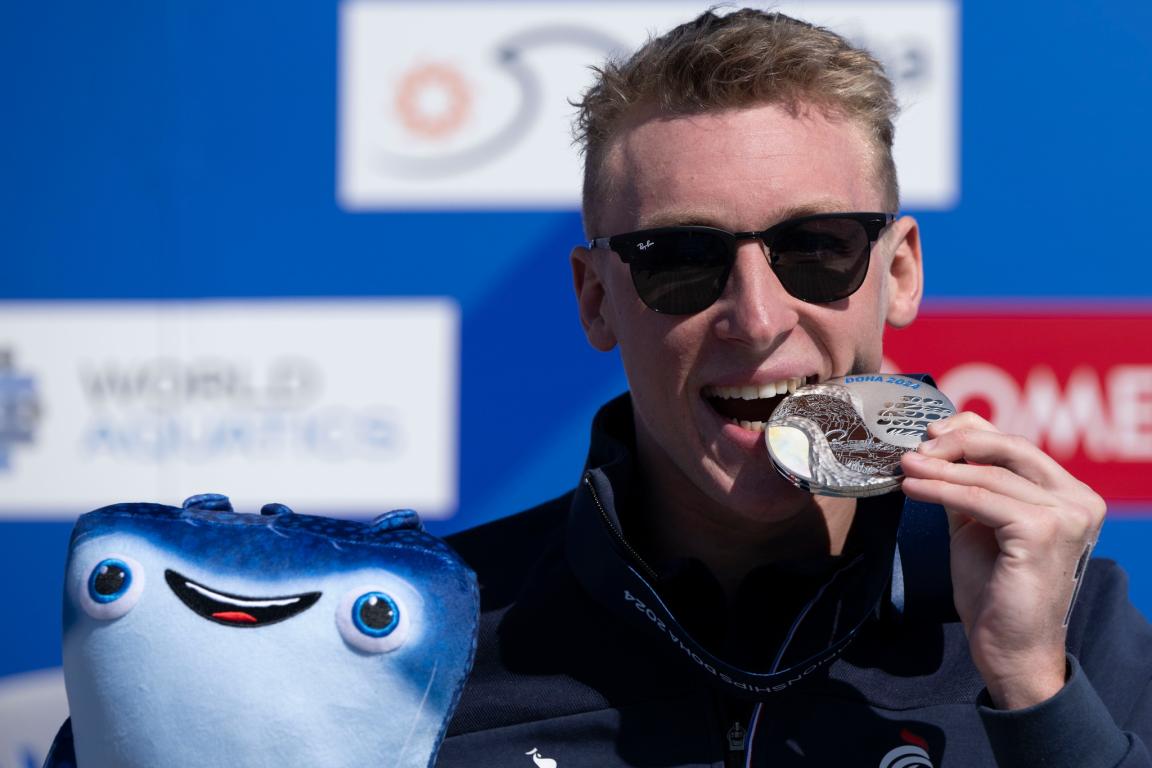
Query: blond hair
point(740, 59)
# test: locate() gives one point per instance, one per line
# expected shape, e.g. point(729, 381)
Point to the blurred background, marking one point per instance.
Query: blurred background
point(316, 253)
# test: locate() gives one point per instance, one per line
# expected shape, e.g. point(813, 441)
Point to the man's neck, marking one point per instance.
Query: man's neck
point(732, 543)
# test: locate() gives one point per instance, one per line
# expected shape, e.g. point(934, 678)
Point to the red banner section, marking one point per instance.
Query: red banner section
point(1077, 383)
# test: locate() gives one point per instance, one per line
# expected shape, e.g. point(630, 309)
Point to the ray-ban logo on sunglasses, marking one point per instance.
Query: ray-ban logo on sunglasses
point(645, 246)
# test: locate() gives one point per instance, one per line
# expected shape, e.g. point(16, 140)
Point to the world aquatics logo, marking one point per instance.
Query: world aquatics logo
point(19, 408)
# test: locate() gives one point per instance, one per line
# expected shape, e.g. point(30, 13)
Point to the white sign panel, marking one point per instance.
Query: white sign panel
point(33, 706)
point(329, 407)
point(466, 104)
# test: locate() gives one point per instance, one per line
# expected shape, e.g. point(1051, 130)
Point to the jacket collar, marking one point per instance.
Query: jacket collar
point(839, 600)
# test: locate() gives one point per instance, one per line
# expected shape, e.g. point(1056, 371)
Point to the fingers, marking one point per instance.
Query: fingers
point(971, 487)
point(967, 437)
point(962, 420)
point(971, 468)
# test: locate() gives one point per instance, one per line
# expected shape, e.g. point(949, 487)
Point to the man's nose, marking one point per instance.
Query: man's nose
point(754, 309)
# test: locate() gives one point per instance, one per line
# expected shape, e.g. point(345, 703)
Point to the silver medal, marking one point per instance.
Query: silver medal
point(845, 436)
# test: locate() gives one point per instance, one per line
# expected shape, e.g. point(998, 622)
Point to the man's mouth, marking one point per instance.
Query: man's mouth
point(751, 406)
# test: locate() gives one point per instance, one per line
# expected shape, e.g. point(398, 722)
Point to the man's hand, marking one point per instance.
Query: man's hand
point(1020, 526)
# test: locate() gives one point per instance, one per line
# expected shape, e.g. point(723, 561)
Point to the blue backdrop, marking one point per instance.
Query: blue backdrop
point(170, 149)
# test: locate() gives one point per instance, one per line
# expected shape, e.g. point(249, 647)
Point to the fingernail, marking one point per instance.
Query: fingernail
point(927, 445)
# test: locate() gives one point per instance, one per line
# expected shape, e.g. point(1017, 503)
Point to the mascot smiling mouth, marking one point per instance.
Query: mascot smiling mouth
point(237, 610)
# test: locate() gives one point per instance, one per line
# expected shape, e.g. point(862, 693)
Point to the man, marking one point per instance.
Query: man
point(686, 605)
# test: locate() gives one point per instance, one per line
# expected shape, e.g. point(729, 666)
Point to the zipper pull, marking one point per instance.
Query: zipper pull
point(736, 735)
point(734, 758)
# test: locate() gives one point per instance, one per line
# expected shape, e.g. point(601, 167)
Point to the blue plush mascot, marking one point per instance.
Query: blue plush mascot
point(197, 636)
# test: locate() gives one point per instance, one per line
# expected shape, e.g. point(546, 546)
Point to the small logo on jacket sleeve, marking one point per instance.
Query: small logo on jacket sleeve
point(913, 754)
point(540, 760)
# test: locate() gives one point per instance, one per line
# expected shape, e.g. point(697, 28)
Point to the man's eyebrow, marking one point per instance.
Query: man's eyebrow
point(714, 218)
point(682, 219)
point(829, 205)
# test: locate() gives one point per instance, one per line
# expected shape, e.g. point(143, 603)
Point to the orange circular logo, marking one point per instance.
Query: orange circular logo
point(433, 100)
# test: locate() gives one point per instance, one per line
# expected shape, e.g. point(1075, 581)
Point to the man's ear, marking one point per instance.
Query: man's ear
point(905, 274)
point(591, 298)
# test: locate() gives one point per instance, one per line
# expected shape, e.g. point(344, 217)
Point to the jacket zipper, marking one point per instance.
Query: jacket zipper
point(618, 534)
point(732, 756)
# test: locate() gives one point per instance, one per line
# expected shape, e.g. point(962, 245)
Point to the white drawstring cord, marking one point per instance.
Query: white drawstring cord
point(751, 733)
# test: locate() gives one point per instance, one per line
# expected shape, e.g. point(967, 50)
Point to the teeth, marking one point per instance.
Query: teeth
point(751, 392)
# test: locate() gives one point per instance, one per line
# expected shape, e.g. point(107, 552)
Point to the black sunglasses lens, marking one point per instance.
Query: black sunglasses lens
point(821, 260)
point(679, 273)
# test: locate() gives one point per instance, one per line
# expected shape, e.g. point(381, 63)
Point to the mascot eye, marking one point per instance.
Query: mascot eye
point(113, 587)
point(372, 621)
point(375, 614)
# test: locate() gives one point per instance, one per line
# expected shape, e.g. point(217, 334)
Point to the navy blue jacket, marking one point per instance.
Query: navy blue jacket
point(562, 676)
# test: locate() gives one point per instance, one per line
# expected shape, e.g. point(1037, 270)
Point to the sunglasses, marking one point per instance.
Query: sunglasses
point(683, 270)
